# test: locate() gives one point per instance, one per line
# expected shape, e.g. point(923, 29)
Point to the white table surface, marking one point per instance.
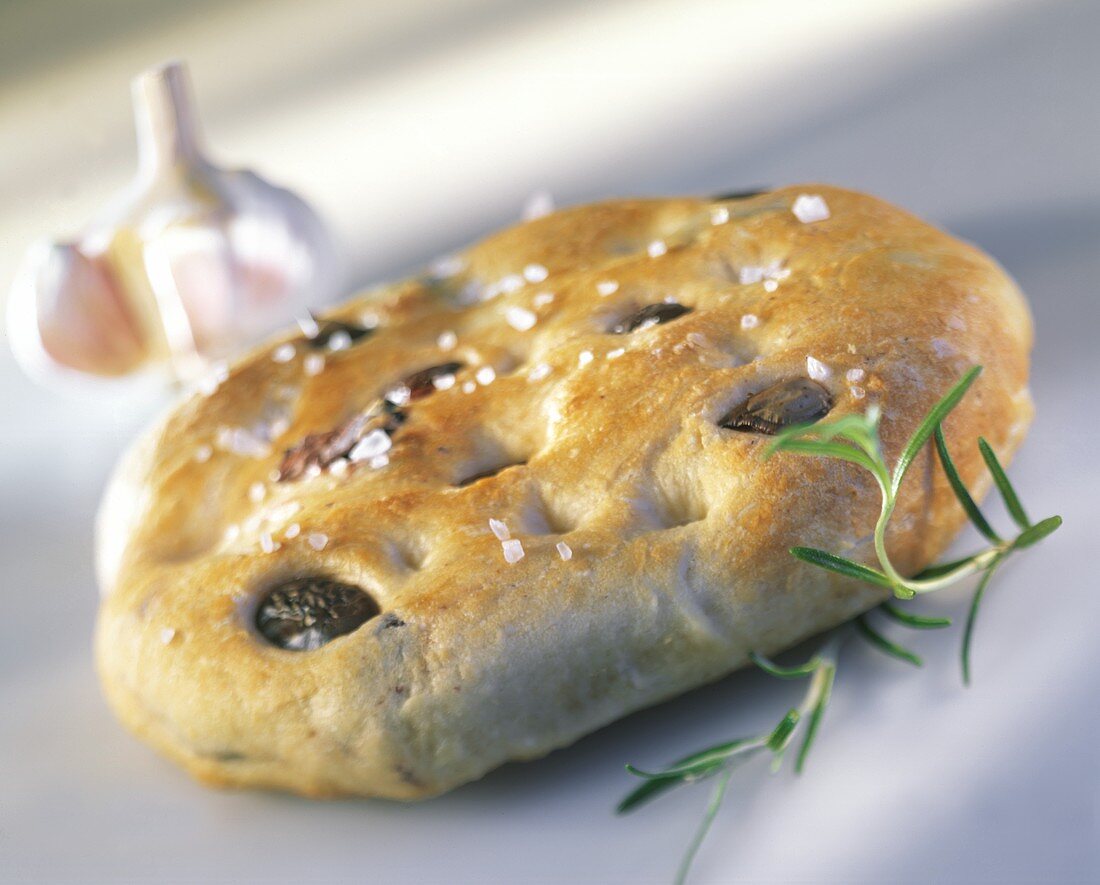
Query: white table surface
point(415, 130)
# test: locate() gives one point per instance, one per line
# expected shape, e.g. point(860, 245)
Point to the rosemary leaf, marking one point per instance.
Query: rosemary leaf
point(769, 666)
point(919, 622)
point(1011, 499)
point(716, 797)
point(934, 571)
point(781, 735)
point(883, 644)
point(1034, 534)
point(842, 566)
point(824, 449)
point(972, 615)
point(827, 675)
point(931, 421)
point(960, 490)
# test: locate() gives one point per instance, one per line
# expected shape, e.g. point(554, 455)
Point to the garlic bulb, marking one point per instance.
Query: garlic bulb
point(191, 263)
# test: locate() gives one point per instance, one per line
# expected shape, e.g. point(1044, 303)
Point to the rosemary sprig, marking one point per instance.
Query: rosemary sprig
point(855, 439)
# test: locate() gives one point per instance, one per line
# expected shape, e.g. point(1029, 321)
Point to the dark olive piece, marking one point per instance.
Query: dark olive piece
point(738, 195)
point(650, 315)
point(305, 613)
point(794, 401)
point(326, 329)
point(419, 384)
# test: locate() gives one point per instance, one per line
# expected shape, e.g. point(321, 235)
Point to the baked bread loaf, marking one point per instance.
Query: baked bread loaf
point(475, 515)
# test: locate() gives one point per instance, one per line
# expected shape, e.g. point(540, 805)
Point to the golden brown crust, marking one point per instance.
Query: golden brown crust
point(679, 531)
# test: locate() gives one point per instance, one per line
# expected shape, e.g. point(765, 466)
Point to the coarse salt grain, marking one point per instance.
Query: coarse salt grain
point(203, 453)
point(584, 357)
point(167, 635)
point(697, 339)
point(256, 492)
point(542, 299)
point(309, 326)
point(377, 442)
point(817, 369)
point(750, 321)
point(656, 249)
point(857, 392)
point(770, 285)
point(469, 386)
point(317, 540)
point(486, 375)
point(538, 372)
point(719, 215)
point(616, 353)
point(241, 441)
point(447, 340)
point(232, 532)
point(520, 318)
point(399, 395)
point(498, 528)
point(338, 467)
point(339, 340)
point(313, 471)
point(369, 319)
point(313, 365)
point(535, 273)
point(513, 550)
point(267, 543)
point(564, 551)
point(292, 531)
point(284, 353)
point(607, 287)
point(854, 376)
point(379, 461)
point(213, 380)
point(447, 266)
point(443, 382)
point(809, 208)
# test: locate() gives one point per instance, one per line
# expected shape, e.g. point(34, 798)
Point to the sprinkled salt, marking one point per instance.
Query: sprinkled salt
point(498, 528)
point(538, 372)
point(203, 453)
point(770, 285)
point(469, 386)
point(486, 375)
point(808, 208)
point(511, 283)
point(513, 550)
point(379, 461)
point(232, 532)
point(719, 215)
point(447, 266)
point(817, 369)
point(447, 340)
point(542, 299)
point(535, 273)
point(214, 379)
point(167, 635)
point(317, 540)
point(697, 339)
point(607, 287)
point(956, 322)
point(857, 392)
point(564, 551)
point(616, 353)
point(854, 376)
point(443, 382)
point(942, 347)
point(256, 492)
point(313, 471)
point(314, 364)
point(377, 442)
point(750, 321)
point(584, 357)
point(520, 318)
point(399, 395)
point(656, 249)
point(368, 319)
point(284, 353)
point(339, 340)
point(309, 326)
point(338, 467)
point(537, 205)
point(292, 531)
point(267, 543)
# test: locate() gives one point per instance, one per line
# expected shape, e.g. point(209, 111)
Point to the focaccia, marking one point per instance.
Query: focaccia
point(474, 515)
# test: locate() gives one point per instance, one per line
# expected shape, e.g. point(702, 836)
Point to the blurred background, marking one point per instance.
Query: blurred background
point(415, 127)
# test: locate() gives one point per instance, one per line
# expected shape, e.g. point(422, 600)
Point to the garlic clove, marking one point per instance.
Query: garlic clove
point(66, 309)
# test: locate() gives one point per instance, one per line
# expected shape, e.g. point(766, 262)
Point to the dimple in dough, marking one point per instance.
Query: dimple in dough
point(568, 409)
